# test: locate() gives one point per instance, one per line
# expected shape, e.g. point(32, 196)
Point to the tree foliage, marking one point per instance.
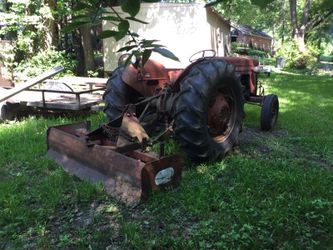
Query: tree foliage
point(68, 25)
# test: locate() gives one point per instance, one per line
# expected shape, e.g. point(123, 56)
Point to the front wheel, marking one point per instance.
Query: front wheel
point(269, 112)
point(209, 110)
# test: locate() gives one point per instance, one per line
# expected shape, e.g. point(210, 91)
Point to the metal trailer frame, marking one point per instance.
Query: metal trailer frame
point(66, 100)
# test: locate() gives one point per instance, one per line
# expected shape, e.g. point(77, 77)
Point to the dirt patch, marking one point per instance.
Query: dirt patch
point(256, 143)
point(254, 140)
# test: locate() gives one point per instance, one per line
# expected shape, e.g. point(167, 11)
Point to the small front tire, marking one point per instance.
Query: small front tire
point(269, 112)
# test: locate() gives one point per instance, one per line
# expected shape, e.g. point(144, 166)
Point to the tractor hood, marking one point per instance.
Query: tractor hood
point(147, 79)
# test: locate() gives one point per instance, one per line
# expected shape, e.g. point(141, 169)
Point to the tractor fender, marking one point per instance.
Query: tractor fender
point(184, 73)
point(188, 69)
point(147, 81)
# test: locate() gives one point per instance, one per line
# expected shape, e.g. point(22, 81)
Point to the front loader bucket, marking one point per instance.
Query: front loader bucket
point(129, 176)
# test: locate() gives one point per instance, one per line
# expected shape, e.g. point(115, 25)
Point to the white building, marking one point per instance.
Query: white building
point(183, 28)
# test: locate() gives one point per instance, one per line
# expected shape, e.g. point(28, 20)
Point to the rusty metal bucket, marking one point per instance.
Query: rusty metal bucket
point(128, 176)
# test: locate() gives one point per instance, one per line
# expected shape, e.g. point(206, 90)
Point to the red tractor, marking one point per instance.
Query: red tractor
point(203, 104)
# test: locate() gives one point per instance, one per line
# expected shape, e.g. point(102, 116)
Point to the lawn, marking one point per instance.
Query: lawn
point(273, 191)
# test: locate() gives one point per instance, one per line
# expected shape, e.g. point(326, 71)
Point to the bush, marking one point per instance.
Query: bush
point(326, 58)
point(296, 59)
point(45, 60)
point(242, 49)
point(255, 52)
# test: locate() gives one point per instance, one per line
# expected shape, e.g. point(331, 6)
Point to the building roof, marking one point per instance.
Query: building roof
point(218, 15)
point(248, 30)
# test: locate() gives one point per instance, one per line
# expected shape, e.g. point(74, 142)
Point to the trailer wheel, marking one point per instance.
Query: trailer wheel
point(209, 110)
point(6, 112)
point(269, 112)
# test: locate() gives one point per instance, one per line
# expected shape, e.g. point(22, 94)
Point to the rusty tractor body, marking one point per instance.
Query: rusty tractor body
point(202, 106)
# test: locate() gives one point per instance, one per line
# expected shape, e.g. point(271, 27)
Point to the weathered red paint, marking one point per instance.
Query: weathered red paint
point(128, 176)
point(245, 66)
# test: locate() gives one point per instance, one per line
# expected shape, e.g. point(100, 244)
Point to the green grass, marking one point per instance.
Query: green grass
point(273, 191)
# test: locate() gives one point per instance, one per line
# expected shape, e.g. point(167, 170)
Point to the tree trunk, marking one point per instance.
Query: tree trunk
point(293, 17)
point(49, 33)
point(298, 30)
point(87, 45)
point(299, 40)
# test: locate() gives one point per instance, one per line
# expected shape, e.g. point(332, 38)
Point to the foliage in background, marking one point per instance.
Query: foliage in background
point(45, 60)
point(311, 24)
point(7, 57)
point(241, 49)
point(25, 22)
point(40, 25)
point(299, 60)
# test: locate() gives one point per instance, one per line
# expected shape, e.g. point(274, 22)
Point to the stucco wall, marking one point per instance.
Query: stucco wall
point(220, 33)
point(182, 28)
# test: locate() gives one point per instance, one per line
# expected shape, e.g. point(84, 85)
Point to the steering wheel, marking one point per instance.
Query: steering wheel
point(122, 59)
point(207, 53)
point(128, 58)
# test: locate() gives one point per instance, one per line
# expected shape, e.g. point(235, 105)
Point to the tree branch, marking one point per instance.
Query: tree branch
point(318, 20)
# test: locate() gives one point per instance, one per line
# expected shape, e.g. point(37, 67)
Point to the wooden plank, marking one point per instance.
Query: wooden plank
point(30, 83)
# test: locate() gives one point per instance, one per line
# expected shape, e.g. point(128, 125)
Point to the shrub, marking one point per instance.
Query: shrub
point(45, 60)
point(242, 49)
point(296, 59)
point(255, 52)
point(326, 58)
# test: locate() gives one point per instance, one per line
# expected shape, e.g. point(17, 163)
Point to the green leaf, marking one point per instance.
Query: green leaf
point(132, 7)
point(127, 48)
point(166, 53)
point(136, 20)
point(212, 3)
point(261, 3)
point(145, 56)
point(123, 26)
point(108, 33)
point(147, 43)
point(110, 18)
point(81, 6)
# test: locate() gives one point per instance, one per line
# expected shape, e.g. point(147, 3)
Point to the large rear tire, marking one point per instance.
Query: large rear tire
point(209, 110)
